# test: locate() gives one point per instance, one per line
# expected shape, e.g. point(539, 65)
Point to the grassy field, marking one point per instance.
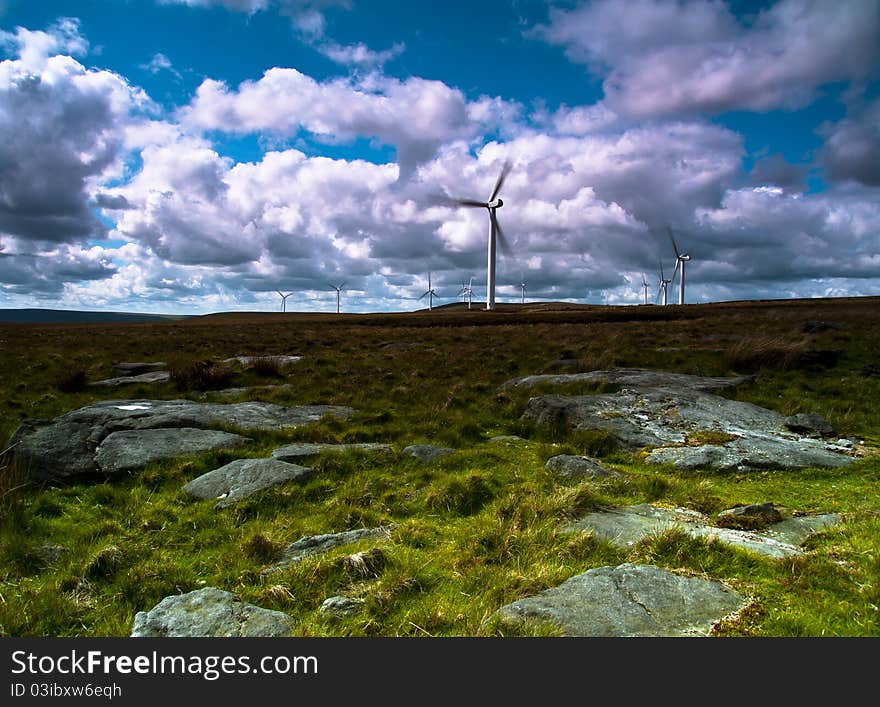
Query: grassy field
point(477, 529)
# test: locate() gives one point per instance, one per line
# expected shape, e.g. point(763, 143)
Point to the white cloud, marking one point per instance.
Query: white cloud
point(662, 57)
point(359, 55)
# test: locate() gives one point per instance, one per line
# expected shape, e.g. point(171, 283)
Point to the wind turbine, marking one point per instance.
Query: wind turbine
point(680, 260)
point(338, 289)
point(496, 235)
point(663, 283)
point(430, 294)
point(645, 287)
point(467, 291)
point(522, 287)
point(284, 299)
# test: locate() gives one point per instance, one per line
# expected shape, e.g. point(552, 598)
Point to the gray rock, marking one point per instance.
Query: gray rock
point(318, 544)
point(242, 478)
point(141, 378)
point(625, 526)
point(136, 368)
point(66, 446)
point(576, 467)
point(797, 529)
point(630, 377)
point(304, 450)
point(427, 453)
point(671, 411)
point(809, 424)
point(210, 613)
point(248, 361)
point(129, 450)
point(629, 600)
point(227, 393)
point(750, 516)
point(342, 606)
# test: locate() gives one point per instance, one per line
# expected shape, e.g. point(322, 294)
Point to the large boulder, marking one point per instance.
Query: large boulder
point(574, 466)
point(67, 446)
point(210, 613)
point(317, 544)
point(628, 600)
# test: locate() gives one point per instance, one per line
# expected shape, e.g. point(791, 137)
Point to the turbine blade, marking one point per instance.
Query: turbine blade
point(505, 170)
point(674, 244)
point(501, 238)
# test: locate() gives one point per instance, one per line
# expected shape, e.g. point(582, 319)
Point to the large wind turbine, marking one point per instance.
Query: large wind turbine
point(430, 294)
point(338, 289)
point(645, 287)
point(680, 260)
point(284, 299)
point(496, 235)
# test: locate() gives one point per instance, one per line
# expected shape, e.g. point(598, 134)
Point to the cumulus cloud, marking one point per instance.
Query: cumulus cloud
point(662, 57)
point(852, 148)
point(415, 115)
point(62, 135)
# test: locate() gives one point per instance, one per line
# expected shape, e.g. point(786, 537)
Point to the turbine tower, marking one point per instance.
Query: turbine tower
point(663, 283)
point(467, 291)
point(645, 287)
point(680, 260)
point(496, 235)
point(338, 289)
point(284, 299)
point(430, 294)
point(522, 288)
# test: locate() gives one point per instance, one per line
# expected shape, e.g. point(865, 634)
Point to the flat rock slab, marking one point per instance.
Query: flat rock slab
point(626, 526)
point(210, 613)
point(629, 600)
point(135, 368)
point(666, 409)
point(227, 393)
point(296, 452)
point(141, 378)
point(427, 453)
point(248, 361)
point(630, 377)
point(130, 450)
point(573, 466)
point(242, 478)
point(67, 446)
point(318, 544)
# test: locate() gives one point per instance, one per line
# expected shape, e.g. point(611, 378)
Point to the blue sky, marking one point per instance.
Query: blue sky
point(192, 156)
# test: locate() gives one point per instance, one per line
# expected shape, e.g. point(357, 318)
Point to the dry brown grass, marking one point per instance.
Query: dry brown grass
point(752, 353)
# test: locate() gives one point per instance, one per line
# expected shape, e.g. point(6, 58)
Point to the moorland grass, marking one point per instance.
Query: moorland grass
point(475, 530)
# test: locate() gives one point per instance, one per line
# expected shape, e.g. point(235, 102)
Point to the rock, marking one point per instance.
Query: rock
point(135, 369)
point(809, 424)
point(670, 408)
point(871, 370)
point(750, 517)
point(577, 467)
point(824, 358)
point(66, 446)
point(427, 453)
point(625, 526)
point(249, 361)
point(630, 377)
point(506, 439)
point(129, 450)
point(210, 613)
point(142, 378)
point(226, 393)
point(303, 450)
point(318, 544)
point(629, 600)
point(242, 478)
point(342, 606)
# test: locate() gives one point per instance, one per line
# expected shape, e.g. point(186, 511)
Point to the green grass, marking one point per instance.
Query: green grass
point(475, 530)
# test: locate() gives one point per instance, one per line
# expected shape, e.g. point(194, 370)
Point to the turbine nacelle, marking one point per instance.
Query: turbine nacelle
point(495, 204)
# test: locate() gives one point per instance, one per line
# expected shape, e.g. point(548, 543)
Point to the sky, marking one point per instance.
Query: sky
point(197, 156)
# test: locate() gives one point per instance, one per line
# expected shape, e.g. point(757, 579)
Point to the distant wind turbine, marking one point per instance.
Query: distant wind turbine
point(496, 235)
point(645, 287)
point(680, 260)
point(338, 289)
point(430, 294)
point(467, 291)
point(663, 284)
point(522, 287)
point(284, 299)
